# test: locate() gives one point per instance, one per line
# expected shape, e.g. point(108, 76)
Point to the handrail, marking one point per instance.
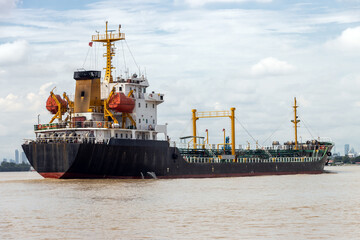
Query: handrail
point(110, 36)
point(267, 149)
point(209, 114)
point(76, 124)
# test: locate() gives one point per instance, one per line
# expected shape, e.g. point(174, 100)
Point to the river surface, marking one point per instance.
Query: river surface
point(321, 206)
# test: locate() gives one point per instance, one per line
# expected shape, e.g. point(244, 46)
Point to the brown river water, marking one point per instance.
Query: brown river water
point(321, 206)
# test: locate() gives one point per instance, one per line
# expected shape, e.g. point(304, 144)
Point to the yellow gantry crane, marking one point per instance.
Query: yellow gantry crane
point(215, 114)
point(107, 39)
point(71, 106)
point(107, 112)
point(60, 110)
point(127, 115)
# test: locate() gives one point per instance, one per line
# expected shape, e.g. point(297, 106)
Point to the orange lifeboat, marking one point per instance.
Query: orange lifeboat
point(52, 106)
point(121, 103)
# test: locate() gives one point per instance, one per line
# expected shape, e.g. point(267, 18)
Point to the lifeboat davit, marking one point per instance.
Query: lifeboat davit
point(52, 106)
point(121, 103)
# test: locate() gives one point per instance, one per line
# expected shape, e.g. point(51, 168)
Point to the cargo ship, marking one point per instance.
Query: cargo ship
point(109, 129)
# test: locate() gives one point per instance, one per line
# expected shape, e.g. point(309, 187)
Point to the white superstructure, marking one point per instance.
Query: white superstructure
point(104, 108)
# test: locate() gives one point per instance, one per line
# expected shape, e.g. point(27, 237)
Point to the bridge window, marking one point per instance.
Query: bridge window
point(139, 104)
point(145, 105)
point(82, 93)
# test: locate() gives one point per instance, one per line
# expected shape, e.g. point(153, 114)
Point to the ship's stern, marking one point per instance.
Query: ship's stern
point(51, 160)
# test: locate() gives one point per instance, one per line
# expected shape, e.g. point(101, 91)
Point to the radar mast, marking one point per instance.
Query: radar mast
point(107, 39)
point(295, 121)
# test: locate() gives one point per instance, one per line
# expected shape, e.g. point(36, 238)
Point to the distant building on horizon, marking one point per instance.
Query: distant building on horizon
point(17, 156)
point(346, 150)
point(24, 158)
point(336, 154)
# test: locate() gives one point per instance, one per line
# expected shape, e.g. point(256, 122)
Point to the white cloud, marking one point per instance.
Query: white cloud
point(271, 66)
point(36, 101)
point(349, 40)
point(30, 102)
point(31, 96)
point(198, 3)
point(15, 52)
point(355, 1)
point(6, 5)
point(44, 89)
point(10, 103)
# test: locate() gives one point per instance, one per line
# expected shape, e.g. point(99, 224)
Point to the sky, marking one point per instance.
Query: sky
point(254, 55)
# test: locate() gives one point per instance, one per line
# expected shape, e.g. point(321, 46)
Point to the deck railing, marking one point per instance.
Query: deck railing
point(110, 36)
point(269, 149)
point(66, 139)
point(250, 160)
point(77, 124)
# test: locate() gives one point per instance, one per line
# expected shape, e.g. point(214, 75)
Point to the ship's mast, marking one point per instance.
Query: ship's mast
point(295, 121)
point(107, 39)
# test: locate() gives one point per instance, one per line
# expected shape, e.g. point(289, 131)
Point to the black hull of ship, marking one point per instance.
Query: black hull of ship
point(123, 158)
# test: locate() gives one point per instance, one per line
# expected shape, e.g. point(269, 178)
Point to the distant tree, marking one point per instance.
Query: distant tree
point(346, 159)
point(338, 159)
point(357, 159)
point(10, 166)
